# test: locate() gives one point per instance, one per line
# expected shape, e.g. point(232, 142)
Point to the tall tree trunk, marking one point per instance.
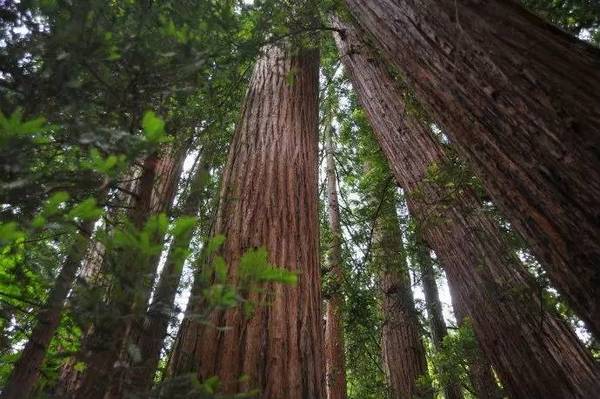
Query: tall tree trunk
point(534, 352)
point(162, 308)
point(269, 198)
point(520, 100)
point(402, 347)
point(480, 369)
point(26, 370)
point(108, 346)
point(437, 324)
point(334, 328)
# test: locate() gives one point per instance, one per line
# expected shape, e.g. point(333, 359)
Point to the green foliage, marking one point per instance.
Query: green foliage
point(255, 268)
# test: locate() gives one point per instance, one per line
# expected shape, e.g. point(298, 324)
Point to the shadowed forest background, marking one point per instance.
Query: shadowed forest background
point(299, 199)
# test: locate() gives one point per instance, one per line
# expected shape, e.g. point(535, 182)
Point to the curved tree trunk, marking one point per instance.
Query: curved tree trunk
point(268, 199)
point(437, 324)
point(335, 368)
point(26, 370)
point(534, 352)
point(401, 342)
point(520, 100)
point(480, 370)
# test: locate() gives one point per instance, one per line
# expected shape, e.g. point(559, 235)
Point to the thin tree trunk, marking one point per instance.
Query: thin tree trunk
point(534, 352)
point(519, 98)
point(269, 199)
point(437, 324)
point(162, 308)
point(402, 347)
point(480, 369)
point(26, 370)
point(108, 347)
point(335, 367)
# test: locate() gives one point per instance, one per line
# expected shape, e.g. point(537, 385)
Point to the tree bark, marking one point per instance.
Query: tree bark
point(480, 369)
point(534, 352)
point(268, 198)
point(437, 324)
point(162, 308)
point(26, 371)
point(335, 367)
point(107, 347)
point(402, 347)
point(519, 98)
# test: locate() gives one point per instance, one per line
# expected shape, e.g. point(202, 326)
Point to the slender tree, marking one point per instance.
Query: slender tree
point(26, 370)
point(437, 324)
point(163, 308)
point(334, 304)
point(480, 370)
point(402, 347)
point(268, 199)
point(546, 359)
point(108, 345)
point(519, 99)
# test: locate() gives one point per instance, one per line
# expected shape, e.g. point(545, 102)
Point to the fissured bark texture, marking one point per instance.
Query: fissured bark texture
point(268, 198)
point(534, 352)
point(519, 98)
point(402, 347)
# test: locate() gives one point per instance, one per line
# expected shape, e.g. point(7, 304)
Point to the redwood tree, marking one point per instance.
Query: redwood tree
point(108, 344)
point(437, 324)
point(519, 99)
point(163, 308)
point(402, 347)
point(480, 370)
point(534, 352)
point(334, 328)
point(268, 199)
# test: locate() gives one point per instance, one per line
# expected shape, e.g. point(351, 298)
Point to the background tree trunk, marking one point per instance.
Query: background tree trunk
point(268, 198)
point(162, 308)
point(520, 100)
point(437, 324)
point(402, 347)
point(335, 367)
point(108, 346)
point(480, 370)
point(534, 352)
point(26, 370)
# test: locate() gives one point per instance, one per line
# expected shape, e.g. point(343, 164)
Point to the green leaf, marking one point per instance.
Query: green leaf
point(183, 225)
point(85, 210)
point(80, 366)
point(54, 202)
point(214, 243)
point(254, 266)
point(211, 384)
point(154, 128)
point(220, 268)
point(9, 232)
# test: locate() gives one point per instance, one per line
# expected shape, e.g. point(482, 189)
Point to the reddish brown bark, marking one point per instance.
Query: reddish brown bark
point(519, 99)
point(26, 370)
point(534, 352)
point(437, 324)
point(162, 308)
point(334, 328)
point(401, 342)
point(107, 346)
point(269, 198)
point(480, 370)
